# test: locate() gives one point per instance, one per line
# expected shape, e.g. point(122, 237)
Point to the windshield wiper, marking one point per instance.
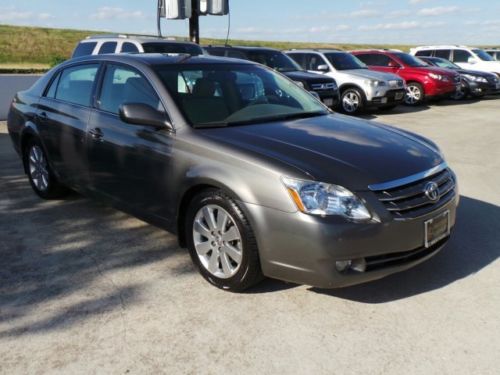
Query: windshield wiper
point(291, 116)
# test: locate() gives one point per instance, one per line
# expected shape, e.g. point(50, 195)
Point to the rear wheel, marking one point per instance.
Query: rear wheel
point(41, 177)
point(352, 101)
point(221, 242)
point(414, 94)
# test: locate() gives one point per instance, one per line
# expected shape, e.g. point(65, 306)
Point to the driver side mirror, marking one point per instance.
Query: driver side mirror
point(323, 68)
point(472, 60)
point(143, 114)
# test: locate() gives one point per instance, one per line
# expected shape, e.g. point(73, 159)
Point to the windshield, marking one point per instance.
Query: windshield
point(442, 63)
point(235, 94)
point(483, 55)
point(159, 47)
point(344, 61)
point(275, 60)
point(410, 60)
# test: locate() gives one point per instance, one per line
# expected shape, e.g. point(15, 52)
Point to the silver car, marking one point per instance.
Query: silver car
point(359, 87)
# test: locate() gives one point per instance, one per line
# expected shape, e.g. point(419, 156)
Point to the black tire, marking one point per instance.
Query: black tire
point(462, 94)
point(415, 88)
point(249, 271)
point(52, 189)
point(352, 101)
point(388, 107)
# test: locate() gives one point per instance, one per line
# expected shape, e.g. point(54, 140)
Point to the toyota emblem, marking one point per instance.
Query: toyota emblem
point(431, 191)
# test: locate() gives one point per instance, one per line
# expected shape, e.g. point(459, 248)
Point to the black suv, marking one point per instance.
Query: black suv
point(325, 87)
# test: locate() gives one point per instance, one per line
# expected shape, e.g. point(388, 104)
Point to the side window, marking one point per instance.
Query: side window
point(313, 61)
point(107, 47)
point(299, 58)
point(443, 53)
point(427, 52)
point(128, 47)
point(51, 92)
point(236, 54)
point(216, 51)
point(461, 56)
point(84, 49)
point(368, 59)
point(75, 84)
point(123, 85)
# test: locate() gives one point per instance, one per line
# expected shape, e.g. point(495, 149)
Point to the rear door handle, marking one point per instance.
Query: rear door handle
point(96, 133)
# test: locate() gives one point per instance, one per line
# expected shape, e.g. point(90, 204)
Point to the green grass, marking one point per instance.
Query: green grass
point(34, 48)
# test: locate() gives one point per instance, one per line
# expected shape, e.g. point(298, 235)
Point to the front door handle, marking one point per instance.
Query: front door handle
point(96, 133)
point(43, 116)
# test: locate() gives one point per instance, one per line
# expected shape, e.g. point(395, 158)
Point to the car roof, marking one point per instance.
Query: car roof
point(317, 50)
point(134, 38)
point(442, 47)
point(160, 59)
point(244, 48)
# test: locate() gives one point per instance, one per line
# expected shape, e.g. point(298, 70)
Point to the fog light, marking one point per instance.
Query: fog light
point(343, 265)
point(358, 265)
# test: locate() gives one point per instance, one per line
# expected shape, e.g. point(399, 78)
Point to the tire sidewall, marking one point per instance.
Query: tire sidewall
point(45, 194)
point(213, 197)
point(358, 94)
point(420, 87)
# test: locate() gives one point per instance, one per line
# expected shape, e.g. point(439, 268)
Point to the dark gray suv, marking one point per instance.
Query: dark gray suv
point(255, 176)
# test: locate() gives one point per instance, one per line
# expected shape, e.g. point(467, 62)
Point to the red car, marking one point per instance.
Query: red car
point(423, 81)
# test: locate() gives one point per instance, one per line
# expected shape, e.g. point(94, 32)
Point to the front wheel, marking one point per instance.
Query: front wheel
point(352, 101)
point(414, 94)
point(221, 242)
point(42, 179)
point(461, 93)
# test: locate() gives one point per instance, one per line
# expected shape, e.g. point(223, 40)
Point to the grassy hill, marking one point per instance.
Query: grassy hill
point(33, 49)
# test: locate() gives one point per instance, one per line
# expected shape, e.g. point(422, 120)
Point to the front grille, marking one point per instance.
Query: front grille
point(327, 86)
point(410, 200)
point(396, 83)
point(377, 262)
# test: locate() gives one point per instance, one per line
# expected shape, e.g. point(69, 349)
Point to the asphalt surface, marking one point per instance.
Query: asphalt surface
point(87, 289)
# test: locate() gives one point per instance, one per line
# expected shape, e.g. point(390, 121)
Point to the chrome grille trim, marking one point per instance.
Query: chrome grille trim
point(408, 199)
point(409, 179)
point(322, 86)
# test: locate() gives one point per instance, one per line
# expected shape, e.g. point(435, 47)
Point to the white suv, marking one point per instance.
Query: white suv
point(359, 87)
point(101, 44)
point(465, 57)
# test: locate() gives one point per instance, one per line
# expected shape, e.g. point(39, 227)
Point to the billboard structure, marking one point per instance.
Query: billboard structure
point(192, 9)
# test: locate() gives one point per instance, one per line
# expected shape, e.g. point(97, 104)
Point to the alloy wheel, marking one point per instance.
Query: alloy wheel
point(459, 94)
point(38, 169)
point(217, 241)
point(350, 102)
point(413, 95)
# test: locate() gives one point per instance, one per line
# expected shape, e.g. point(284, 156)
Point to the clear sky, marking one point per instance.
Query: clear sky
point(342, 21)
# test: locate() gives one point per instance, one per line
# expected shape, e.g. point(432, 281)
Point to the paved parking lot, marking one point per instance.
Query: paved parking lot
point(87, 289)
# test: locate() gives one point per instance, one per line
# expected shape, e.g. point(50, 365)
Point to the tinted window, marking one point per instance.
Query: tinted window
point(128, 47)
point(84, 49)
point(299, 58)
point(236, 54)
point(75, 84)
point(424, 53)
point(344, 61)
point(51, 92)
point(108, 47)
point(313, 61)
point(376, 59)
point(461, 56)
point(235, 94)
point(443, 53)
point(165, 47)
point(482, 55)
point(125, 85)
point(410, 60)
point(273, 59)
point(216, 51)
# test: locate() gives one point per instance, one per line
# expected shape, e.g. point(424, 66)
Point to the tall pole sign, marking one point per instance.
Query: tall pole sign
point(192, 9)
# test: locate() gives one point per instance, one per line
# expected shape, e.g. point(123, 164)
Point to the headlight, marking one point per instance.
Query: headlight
point(318, 198)
point(300, 84)
point(375, 83)
point(475, 78)
point(439, 77)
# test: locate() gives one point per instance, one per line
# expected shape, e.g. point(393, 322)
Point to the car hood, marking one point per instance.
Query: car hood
point(299, 75)
point(334, 149)
point(432, 69)
point(477, 73)
point(371, 74)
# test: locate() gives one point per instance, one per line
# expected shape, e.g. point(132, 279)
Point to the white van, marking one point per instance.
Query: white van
point(466, 57)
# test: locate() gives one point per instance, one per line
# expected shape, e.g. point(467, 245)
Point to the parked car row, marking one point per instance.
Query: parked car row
point(350, 81)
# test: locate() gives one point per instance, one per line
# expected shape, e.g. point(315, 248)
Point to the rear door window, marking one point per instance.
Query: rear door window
point(427, 52)
point(51, 92)
point(108, 47)
point(461, 56)
point(122, 85)
point(84, 49)
point(128, 47)
point(76, 84)
point(443, 53)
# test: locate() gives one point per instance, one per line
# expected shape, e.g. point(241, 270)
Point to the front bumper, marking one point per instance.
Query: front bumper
point(391, 97)
point(330, 98)
point(483, 88)
point(304, 249)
